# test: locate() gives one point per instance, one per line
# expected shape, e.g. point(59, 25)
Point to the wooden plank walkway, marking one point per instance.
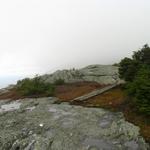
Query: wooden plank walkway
point(94, 93)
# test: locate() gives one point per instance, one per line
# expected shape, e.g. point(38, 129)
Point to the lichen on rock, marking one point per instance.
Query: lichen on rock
point(39, 124)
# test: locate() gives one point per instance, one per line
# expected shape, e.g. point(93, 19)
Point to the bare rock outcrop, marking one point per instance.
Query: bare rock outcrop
point(104, 74)
point(38, 124)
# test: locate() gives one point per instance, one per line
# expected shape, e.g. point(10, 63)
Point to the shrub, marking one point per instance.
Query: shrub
point(34, 87)
point(116, 64)
point(128, 69)
point(136, 72)
point(59, 81)
point(142, 55)
point(140, 90)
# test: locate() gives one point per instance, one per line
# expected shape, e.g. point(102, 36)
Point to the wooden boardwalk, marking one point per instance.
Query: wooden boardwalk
point(94, 93)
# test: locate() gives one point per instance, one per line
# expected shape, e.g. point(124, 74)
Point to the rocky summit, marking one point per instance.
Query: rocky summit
point(40, 124)
point(104, 74)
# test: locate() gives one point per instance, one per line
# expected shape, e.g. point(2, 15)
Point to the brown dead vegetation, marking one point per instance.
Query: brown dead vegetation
point(70, 91)
point(110, 99)
point(12, 94)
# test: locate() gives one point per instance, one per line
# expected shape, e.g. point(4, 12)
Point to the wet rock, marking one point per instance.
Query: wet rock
point(10, 107)
point(47, 126)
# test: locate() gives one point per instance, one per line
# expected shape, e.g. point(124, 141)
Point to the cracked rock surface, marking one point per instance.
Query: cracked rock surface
point(38, 124)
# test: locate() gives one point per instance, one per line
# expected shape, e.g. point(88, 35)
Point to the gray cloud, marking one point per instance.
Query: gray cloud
point(37, 36)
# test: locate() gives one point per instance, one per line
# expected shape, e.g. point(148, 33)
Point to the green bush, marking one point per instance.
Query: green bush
point(142, 55)
point(34, 87)
point(140, 90)
point(59, 81)
point(128, 69)
point(136, 72)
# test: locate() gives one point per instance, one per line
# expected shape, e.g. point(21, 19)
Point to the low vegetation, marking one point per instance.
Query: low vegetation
point(34, 87)
point(59, 81)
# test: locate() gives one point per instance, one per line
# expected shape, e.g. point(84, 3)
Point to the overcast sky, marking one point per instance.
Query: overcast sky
point(37, 36)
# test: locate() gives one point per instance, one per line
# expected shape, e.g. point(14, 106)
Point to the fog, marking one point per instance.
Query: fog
point(38, 36)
